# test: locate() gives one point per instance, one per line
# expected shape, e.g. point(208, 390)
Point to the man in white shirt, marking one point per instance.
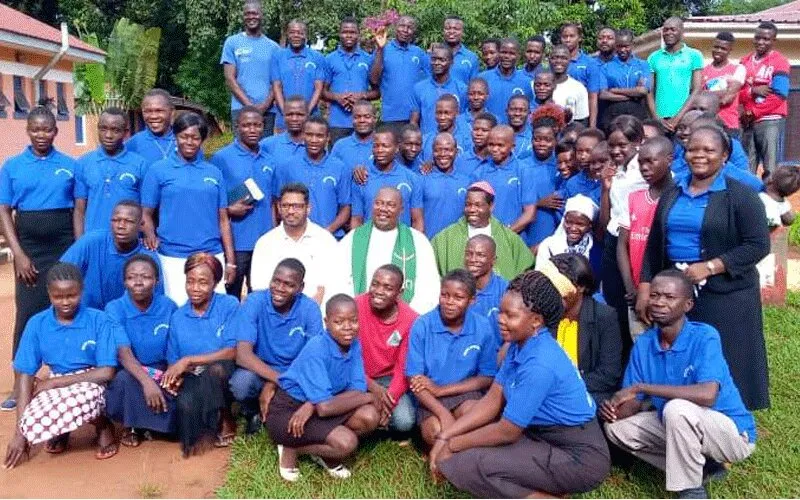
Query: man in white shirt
point(298, 237)
point(385, 240)
point(569, 93)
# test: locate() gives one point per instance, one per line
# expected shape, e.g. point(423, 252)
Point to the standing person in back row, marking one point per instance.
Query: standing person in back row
point(465, 62)
point(676, 74)
point(505, 80)
point(296, 70)
point(582, 67)
point(246, 59)
point(724, 79)
point(347, 81)
point(398, 65)
point(427, 92)
point(156, 142)
point(764, 100)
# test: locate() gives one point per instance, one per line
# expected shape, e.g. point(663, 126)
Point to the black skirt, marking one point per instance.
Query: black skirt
point(738, 317)
point(316, 430)
point(614, 289)
point(44, 236)
point(449, 402)
point(125, 403)
point(200, 400)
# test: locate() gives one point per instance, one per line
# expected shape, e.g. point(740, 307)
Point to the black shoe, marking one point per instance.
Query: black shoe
point(714, 471)
point(253, 425)
point(699, 492)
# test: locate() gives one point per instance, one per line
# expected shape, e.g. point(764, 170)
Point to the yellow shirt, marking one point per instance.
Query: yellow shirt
point(567, 337)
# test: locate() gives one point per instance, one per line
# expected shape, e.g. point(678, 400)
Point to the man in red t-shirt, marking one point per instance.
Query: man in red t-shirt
point(384, 327)
point(725, 79)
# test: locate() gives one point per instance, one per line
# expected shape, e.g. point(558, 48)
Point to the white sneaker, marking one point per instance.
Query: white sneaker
point(338, 472)
point(291, 474)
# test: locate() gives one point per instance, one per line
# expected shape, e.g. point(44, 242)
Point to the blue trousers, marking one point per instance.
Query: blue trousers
point(246, 387)
point(404, 416)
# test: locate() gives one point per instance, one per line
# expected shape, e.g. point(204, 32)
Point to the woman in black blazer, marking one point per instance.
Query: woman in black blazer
point(714, 228)
point(598, 346)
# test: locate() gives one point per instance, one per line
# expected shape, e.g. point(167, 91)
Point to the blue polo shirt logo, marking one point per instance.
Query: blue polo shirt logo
point(297, 329)
point(404, 185)
point(329, 178)
point(362, 65)
point(461, 190)
point(64, 171)
point(219, 331)
point(466, 62)
point(127, 175)
point(211, 180)
point(89, 344)
point(266, 168)
point(517, 91)
point(513, 180)
point(160, 326)
point(472, 347)
point(491, 311)
point(688, 372)
point(311, 64)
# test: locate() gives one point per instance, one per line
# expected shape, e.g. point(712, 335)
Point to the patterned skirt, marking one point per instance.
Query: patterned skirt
point(54, 412)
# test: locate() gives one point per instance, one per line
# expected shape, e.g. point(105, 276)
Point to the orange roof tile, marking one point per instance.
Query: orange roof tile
point(14, 21)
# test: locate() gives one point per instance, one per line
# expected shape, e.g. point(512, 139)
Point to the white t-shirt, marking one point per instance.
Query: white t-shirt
point(774, 209)
point(474, 231)
point(571, 94)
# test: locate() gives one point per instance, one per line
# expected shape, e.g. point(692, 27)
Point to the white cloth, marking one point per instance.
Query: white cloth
point(175, 279)
point(475, 231)
point(557, 242)
point(316, 249)
point(623, 184)
point(775, 209)
point(572, 95)
point(381, 245)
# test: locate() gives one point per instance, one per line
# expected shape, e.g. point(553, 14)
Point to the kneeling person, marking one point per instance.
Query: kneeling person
point(322, 405)
point(451, 356)
point(678, 365)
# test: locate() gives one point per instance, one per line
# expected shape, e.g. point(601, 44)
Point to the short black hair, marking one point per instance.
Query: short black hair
point(625, 33)
point(441, 46)
point(595, 133)
point(462, 276)
point(248, 109)
point(571, 24)
point(293, 264)
point(163, 94)
point(786, 178)
point(519, 97)
point(392, 269)
point(130, 204)
point(769, 26)
point(630, 126)
point(64, 271)
point(142, 257)
point(537, 38)
point(115, 111)
point(492, 40)
point(479, 80)
point(486, 116)
point(540, 296)
point(577, 269)
point(188, 120)
point(294, 187)
point(686, 284)
point(337, 300)
point(319, 121)
point(573, 126)
point(726, 36)
point(384, 129)
point(42, 112)
point(656, 124)
point(295, 99)
point(483, 238)
point(564, 146)
point(348, 20)
point(448, 98)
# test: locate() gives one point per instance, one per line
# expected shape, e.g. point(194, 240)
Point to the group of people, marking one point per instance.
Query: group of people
point(486, 264)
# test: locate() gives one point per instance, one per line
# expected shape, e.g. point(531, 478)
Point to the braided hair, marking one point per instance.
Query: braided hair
point(64, 271)
point(540, 296)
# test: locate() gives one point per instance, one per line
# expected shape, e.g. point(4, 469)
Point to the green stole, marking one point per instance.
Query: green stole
point(403, 256)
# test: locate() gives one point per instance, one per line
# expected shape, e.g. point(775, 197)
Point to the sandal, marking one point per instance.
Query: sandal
point(57, 445)
point(291, 474)
point(337, 471)
point(107, 451)
point(131, 438)
point(224, 440)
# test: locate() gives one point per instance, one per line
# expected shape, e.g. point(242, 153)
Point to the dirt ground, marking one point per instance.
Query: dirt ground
point(154, 469)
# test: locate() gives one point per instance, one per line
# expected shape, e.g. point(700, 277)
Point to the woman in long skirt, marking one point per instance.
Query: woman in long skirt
point(37, 185)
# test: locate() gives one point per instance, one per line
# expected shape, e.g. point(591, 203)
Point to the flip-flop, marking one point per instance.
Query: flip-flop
point(130, 438)
point(57, 445)
point(224, 440)
point(107, 451)
point(337, 471)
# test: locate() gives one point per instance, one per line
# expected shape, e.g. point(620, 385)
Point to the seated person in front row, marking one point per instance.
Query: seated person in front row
point(700, 420)
point(272, 326)
point(78, 346)
point(535, 432)
point(200, 353)
point(451, 357)
point(134, 397)
point(574, 233)
point(322, 406)
point(101, 255)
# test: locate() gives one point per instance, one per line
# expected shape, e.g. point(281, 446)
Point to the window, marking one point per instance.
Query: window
point(62, 110)
point(4, 102)
point(21, 105)
point(80, 130)
point(43, 97)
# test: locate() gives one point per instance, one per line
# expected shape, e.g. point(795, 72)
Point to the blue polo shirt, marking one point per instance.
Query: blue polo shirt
point(102, 267)
point(542, 66)
point(352, 151)
point(322, 370)
point(694, 358)
point(282, 147)
point(465, 64)
point(542, 386)
point(297, 73)
point(347, 72)
point(427, 92)
point(328, 183)
point(193, 335)
point(87, 342)
point(190, 196)
point(103, 181)
point(685, 221)
point(462, 136)
point(581, 183)
point(513, 187)
point(487, 302)
point(403, 67)
point(587, 71)
point(403, 179)
point(28, 182)
point(145, 332)
point(621, 74)
point(443, 198)
point(237, 164)
point(252, 57)
point(277, 338)
point(415, 166)
point(446, 357)
point(547, 181)
point(152, 147)
point(464, 120)
point(502, 88)
point(522, 142)
point(470, 162)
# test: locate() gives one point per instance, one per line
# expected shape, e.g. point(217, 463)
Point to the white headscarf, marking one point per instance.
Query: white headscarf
point(557, 243)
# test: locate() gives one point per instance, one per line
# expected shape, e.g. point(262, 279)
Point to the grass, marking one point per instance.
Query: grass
point(385, 469)
point(149, 490)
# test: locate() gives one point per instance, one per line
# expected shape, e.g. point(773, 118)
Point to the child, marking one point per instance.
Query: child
point(779, 184)
point(78, 346)
point(322, 406)
point(655, 157)
point(592, 156)
point(451, 356)
point(571, 131)
point(565, 160)
point(547, 121)
point(652, 128)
